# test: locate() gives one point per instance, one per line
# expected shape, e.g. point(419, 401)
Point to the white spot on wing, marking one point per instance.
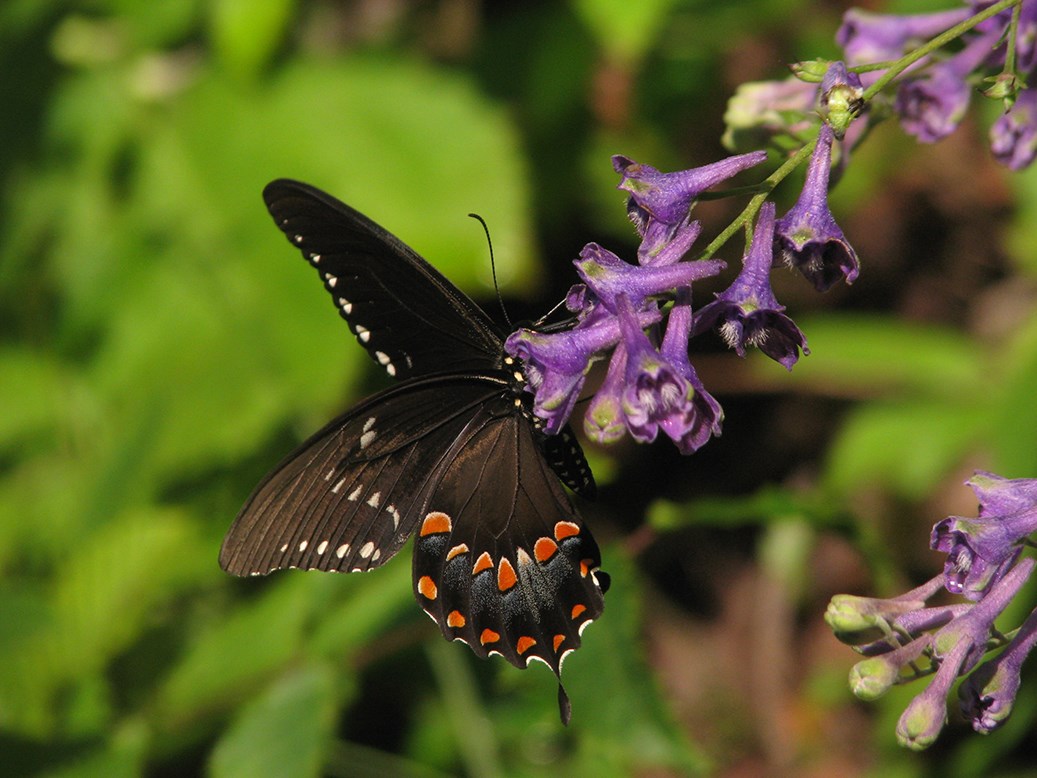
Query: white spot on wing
point(303, 545)
point(382, 357)
point(367, 549)
point(342, 550)
point(375, 556)
point(395, 516)
point(375, 499)
point(338, 486)
point(322, 547)
point(283, 549)
point(345, 305)
point(366, 438)
point(363, 333)
point(332, 280)
point(390, 369)
point(369, 423)
point(355, 494)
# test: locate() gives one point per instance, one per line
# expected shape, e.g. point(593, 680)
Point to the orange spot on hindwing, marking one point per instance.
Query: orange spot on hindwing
point(559, 639)
point(506, 577)
point(456, 619)
point(434, 524)
point(566, 529)
point(524, 644)
point(488, 636)
point(544, 549)
point(456, 551)
point(484, 562)
point(577, 610)
point(427, 587)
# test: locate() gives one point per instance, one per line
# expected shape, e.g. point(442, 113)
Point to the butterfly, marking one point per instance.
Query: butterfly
point(451, 454)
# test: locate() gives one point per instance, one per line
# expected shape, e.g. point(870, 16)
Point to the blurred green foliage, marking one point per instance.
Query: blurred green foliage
point(161, 347)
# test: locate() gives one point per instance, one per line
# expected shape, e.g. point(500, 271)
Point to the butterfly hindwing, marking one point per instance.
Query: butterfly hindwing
point(502, 560)
point(348, 498)
point(408, 317)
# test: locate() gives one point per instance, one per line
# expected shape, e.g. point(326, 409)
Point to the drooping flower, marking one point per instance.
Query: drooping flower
point(666, 198)
point(957, 647)
point(604, 421)
point(659, 394)
point(807, 237)
point(1013, 137)
point(988, 695)
point(932, 106)
point(665, 244)
point(607, 276)
point(840, 99)
point(981, 550)
point(761, 110)
point(869, 37)
point(998, 495)
point(747, 312)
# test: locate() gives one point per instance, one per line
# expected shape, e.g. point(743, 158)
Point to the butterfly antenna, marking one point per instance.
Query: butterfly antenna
point(493, 269)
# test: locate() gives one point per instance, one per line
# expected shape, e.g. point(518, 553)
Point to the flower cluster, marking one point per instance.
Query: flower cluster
point(932, 93)
point(650, 384)
point(903, 638)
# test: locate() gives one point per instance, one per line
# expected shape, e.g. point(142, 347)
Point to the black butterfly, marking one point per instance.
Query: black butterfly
point(502, 560)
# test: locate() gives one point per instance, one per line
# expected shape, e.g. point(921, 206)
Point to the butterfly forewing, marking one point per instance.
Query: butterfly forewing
point(350, 496)
point(502, 560)
point(408, 317)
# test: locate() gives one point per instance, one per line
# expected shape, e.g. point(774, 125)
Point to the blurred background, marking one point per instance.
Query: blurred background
point(161, 347)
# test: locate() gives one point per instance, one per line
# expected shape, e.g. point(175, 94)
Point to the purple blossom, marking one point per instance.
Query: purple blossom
point(747, 312)
point(1026, 37)
point(871, 678)
point(660, 394)
point(868, 37)
point(957, 647)
point(607, 276)
point(807, 236)
point(988, 695)
point(556, 364)
point(1013, 137)
point(981, 550)
point(841, 92)
point(998, 495)
point(665, 244)
point(604, 422)
point(667, 197)
point(932, 106)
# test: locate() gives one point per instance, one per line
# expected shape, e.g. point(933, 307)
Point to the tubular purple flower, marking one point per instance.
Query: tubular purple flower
point(871, 678)
point(932, 106)
point(868, 37)
point(705, 416)
point(667, 197)
point(1026, 38)
point(913, 624)
point(807, 237)
point(556, 364)
point(957, 647)
point(980, 551)
point(747, 312)
point(608, 276)
point(988, 695)
point(604, 422)
point(1013, 137)
point(998, 496)
point(658, 394)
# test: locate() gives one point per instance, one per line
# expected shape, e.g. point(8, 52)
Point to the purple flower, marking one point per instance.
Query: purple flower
point(1013, 137)
point(932, 106)
point(998, 495)
point(747, 313)
point(556, 364)
point(667, 197)
point(1026, 38)
point(980, 551)
point(957, 647)
point(604, 422)
point(807, 236)
point(988, 695)
point(659, 394)
point(867, 37)
point(871, 678)
point(607, 276)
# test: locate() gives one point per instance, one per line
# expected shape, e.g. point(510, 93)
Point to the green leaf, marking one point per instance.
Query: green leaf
point(246, 32)
point(230, 654)
point(625, 29)
point(904, 447)
point(287, 730)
